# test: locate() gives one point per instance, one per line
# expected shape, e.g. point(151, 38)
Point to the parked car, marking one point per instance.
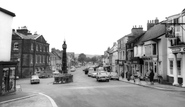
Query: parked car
point(114, 75)
point(56, 73)
point(34, 79)
point(73, 69)
point(91, 70)
point(94, 74)
point(102, 75)
point(86, 70)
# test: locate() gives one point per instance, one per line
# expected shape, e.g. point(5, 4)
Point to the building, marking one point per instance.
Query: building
point(56, 59)
point(175, 25)
point(7, 67)
point(32, 52)
point(113, 57)
point(70, 59)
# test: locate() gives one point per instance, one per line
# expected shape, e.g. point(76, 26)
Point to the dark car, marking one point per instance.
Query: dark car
point(86, 70)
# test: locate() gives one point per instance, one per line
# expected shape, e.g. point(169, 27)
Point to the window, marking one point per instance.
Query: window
point(171, 66)
point(16, 46)
point(32, 46)
point(36, 59)
point(179, 67)
point(40, 58)
point(154, 49)
point(31, 59)
point(177, 28)
point(43, 59)
point(43, 49)
point(40, 48)
point(36, 47)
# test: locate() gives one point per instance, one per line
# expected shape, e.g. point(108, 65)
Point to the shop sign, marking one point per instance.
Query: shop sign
point(176, 50)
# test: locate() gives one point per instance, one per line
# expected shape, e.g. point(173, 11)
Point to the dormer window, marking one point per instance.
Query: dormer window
point(16, 46)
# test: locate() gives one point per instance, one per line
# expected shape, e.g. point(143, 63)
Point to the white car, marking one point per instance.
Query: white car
point(102, 76)
point(34, 79)
point(91, 70)
point(73, 69)
point(114, 75)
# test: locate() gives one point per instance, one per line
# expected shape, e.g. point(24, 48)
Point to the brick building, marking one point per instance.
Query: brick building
point(32, 52)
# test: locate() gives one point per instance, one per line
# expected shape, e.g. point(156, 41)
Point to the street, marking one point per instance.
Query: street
point(87, 92)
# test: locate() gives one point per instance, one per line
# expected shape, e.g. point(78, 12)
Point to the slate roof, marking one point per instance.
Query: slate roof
point(26, 36)
point(154, 32)
point(131, 40)
point(7, 12)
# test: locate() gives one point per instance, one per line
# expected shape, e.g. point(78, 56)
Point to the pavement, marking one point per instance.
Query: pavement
point(26, 99)
point(156, 85)
point(30, 99)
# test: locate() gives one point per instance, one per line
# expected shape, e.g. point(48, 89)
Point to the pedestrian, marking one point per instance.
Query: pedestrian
point(151, 76)
point(139, 75)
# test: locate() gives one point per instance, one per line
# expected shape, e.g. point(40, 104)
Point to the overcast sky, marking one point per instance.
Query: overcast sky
point(88, 26)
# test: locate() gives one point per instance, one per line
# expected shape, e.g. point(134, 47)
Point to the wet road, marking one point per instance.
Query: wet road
point(87, 92)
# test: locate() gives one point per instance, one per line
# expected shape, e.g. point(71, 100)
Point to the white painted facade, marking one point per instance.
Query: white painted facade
point(176, 62)
point(114, 52)
point(5, 36)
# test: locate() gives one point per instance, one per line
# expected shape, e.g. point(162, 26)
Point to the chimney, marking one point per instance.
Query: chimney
point(137, 30)
point(23, 30)
point(151, 23)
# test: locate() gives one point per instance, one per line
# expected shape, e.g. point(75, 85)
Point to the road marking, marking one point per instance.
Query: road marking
point(51, 100)
point(15, 99)
point(107, 86)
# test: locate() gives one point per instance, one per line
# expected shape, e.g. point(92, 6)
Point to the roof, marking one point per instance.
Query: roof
point(154, 32)
point(135, 37)
point(26, 36)
point(7, 12)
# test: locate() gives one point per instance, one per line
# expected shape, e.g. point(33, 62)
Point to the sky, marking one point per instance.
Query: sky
point(88, 26)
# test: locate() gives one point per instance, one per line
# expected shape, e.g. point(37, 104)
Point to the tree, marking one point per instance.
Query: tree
point(82, 58)
point(94, 59)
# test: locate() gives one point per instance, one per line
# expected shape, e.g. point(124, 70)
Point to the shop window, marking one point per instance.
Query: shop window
point(16, 46)
point(179, 67)
point(171, 67)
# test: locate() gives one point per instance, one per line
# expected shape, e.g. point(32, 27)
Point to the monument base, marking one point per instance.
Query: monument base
point(63, 78)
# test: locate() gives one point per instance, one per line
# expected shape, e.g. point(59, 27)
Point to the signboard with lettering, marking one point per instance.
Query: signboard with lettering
point(178, 50)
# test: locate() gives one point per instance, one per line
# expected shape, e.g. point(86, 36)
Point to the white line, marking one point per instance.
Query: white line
point(51, 100)
point(15, 99)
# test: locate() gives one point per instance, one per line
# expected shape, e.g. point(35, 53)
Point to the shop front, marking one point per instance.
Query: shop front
point(150, 63)
point(121, 69)
point(7, 77)
point(137, 64)
point(176, 74)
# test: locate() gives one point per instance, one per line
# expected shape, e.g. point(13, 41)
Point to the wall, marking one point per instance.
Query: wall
point(5, 36)
point(162, 55)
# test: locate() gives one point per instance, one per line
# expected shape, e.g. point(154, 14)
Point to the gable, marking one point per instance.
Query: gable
point(41, 39)
point(15, 36)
